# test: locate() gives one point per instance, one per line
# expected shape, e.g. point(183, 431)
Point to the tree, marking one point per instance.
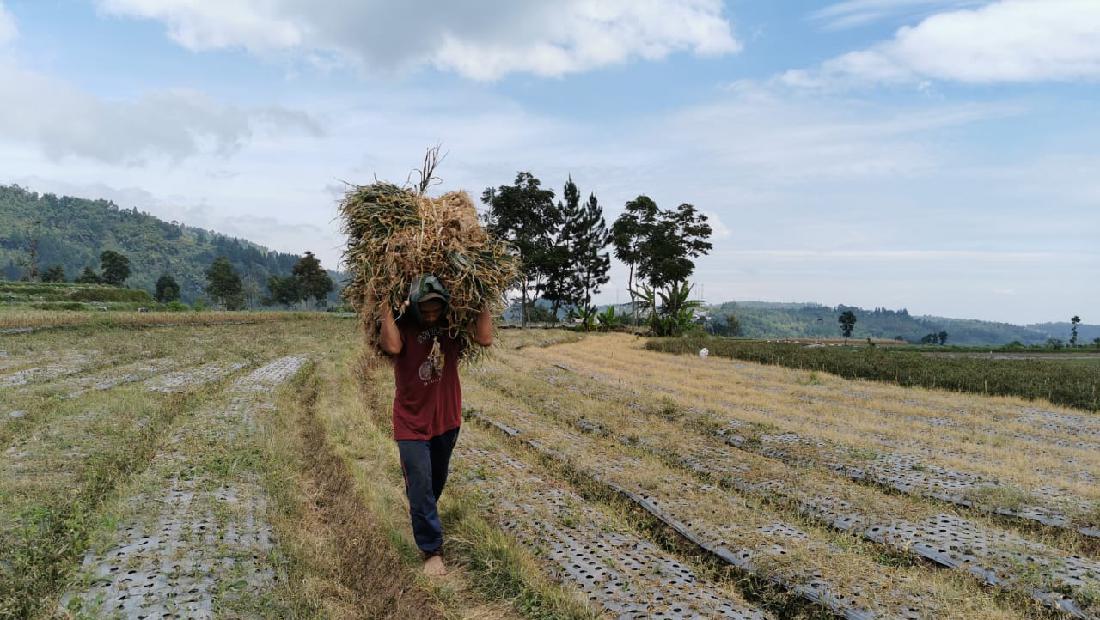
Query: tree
point(167, 289)
point(224, 285)
point(557, 282)
point(115, 267)
point(32, 251)
point(54, 274)
point(1074, 322)
point(590, 262)
point(557, 261)
point(576, 266)
point(250, 288)
point(1096, 342)
point(283, 290)
point(942, 337)
point(88, 276)
point(672, 241)
point(312, 281)
point(525, 215)
point(725, 325)
point(627, 233)
point(847, 323)
point(659, 245)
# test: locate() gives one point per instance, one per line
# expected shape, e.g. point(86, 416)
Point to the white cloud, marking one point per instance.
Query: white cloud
point(63, 120)
point(483, 41)
point(853, 13)
point(280, 190)
point(1006, 41)
point(8, 31)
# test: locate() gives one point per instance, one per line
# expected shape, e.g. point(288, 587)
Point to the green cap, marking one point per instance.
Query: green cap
point(425, 288)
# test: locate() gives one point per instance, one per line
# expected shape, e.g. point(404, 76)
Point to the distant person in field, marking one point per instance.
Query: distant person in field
point(427, 404)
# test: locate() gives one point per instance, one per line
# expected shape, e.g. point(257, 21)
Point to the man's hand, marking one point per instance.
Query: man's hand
point(391, 336)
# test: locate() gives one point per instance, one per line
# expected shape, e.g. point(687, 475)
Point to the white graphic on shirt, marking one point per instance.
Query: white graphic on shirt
point(431, 369)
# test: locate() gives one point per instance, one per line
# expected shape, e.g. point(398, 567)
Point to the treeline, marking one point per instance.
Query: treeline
point(224, 288)
point(40, 232)
point(564, 249)
point(1075, 384)
point(775, 320)
point(307, 282)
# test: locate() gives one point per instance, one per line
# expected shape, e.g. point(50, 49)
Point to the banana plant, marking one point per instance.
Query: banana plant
point(588, 317)
point(671, 310)
point(608, 320)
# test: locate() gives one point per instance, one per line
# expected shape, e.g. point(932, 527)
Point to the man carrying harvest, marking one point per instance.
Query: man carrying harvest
point(427, 403)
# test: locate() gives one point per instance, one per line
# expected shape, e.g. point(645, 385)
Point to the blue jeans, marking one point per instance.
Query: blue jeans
point(425, 465)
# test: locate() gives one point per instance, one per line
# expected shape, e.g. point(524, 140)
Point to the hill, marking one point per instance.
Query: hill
point(767, 319)
point(72, 232)
point(810, 320)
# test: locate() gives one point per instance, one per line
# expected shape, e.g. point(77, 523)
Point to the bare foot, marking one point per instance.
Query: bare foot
point(433, 566)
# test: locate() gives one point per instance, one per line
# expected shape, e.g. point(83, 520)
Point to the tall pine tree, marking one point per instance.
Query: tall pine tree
point(576, 267)
point(559, 286)
point(589, 238)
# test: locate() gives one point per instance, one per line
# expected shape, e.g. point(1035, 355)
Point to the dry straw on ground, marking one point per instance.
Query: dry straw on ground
point(396, 234)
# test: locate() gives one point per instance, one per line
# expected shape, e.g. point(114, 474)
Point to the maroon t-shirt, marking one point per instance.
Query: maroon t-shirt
point(427, 400)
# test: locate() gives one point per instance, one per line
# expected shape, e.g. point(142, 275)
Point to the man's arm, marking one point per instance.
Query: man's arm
point(481, 330)
point(391, 336)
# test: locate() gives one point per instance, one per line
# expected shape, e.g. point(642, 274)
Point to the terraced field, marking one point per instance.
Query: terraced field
point(247, 471)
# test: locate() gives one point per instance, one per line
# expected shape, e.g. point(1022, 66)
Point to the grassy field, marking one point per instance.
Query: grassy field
point(246, 469)
point(1071, 379)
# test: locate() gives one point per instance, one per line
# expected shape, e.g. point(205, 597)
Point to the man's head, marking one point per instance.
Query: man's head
point(429, 299)
point(431, 310)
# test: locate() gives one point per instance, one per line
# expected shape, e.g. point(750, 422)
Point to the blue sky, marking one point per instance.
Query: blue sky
point(937, 155)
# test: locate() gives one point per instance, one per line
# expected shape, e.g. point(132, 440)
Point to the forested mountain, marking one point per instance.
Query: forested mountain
point(72, 232)
point(809, 320)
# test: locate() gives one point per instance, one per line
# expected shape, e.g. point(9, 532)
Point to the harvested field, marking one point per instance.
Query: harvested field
point(990, 442)
point(582, 403)
point(588, 548)
point(192, 377)
point(210, 537)
point(247, 471)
